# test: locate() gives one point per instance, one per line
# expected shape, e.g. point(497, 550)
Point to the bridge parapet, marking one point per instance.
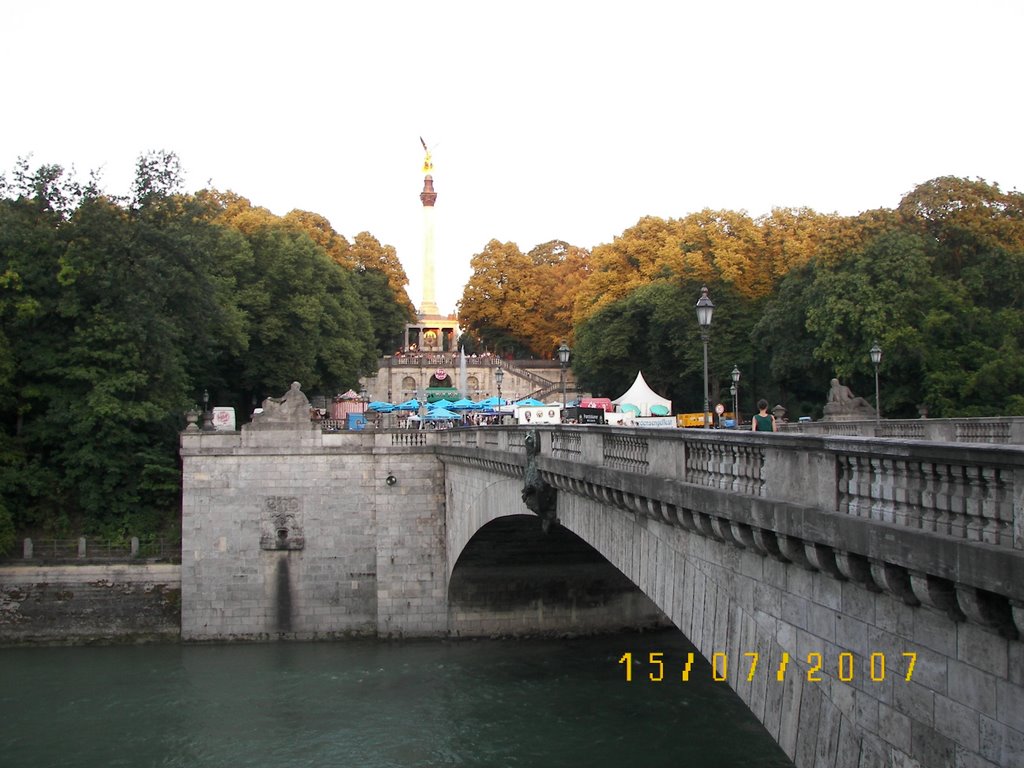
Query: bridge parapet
point(969, 492)
point(1005, 430)
point(931, 523)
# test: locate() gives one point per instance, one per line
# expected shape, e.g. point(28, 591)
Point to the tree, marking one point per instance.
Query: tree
point(644, 253)
point(879, 292)
point(654, 329)
point(547, 291)
point(306, 319)
point(490, 300)
point(974, 233)
point(32, 221)
point(378, 274)
point(368, 254)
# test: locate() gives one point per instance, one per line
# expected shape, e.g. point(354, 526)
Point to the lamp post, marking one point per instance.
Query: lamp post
point(362, 396)
point(705, 308)
point(736, 395)
point(207, 416)
point(876, 358)
point(499, 376)
point(563, 359)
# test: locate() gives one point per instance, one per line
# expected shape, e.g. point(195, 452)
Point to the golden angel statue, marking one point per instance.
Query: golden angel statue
point(428, 164)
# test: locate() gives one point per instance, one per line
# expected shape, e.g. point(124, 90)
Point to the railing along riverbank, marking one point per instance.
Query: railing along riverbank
point(85, 550)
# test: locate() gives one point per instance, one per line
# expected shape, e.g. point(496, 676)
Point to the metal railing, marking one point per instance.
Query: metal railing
point(84, 549)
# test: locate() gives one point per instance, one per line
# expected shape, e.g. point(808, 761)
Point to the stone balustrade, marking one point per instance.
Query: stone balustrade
point(967, 492)
point(1003, 430)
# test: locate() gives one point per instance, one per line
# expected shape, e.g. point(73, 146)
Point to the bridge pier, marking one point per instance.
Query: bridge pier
point(364, 557)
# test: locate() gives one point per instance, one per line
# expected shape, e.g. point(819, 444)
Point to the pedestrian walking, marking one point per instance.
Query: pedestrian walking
point(763, 421)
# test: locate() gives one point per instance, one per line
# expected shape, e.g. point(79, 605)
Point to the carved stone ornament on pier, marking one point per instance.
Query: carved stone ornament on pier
point(290, 411)
point(281, 523)
point(539, 497)
point(843, 405)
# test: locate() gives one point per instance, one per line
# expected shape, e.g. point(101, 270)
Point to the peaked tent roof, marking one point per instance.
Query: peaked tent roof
point(642, 396)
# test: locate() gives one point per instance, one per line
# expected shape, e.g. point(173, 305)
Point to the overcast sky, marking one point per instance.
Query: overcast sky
point(550, 119)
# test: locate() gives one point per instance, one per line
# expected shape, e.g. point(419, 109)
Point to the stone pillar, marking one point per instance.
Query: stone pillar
point(428, 197)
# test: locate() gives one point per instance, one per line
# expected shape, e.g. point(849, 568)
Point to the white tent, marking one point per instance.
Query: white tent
point(643, 397)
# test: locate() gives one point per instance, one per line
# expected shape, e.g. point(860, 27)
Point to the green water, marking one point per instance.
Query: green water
point(370, 704)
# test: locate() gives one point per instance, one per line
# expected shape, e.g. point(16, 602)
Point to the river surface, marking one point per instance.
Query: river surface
point(373, 704)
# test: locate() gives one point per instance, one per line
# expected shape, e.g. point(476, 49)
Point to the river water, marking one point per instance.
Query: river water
point(373, 704)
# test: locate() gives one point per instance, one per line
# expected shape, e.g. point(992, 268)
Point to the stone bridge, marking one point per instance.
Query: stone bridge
point(878, 586)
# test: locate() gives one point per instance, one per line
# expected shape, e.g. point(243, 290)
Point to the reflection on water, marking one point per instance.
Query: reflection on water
point(371, 703)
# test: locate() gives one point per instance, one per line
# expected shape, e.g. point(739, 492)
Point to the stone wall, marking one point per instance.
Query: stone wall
point(298, 534)
point(86, 603)
point(844, 699)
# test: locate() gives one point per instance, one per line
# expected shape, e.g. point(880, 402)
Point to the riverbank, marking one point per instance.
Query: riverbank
point(131, 603)
point(85, 604)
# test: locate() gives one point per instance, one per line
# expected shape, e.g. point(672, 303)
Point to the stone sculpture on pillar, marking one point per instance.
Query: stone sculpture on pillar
point(843, 405)
point(290, 411)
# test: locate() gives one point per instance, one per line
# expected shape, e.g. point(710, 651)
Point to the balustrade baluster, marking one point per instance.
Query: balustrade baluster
point(974, 518)
point(929, 483)
point(944, 501)
point(844, 482)
point(997, 507)
point(881, 508)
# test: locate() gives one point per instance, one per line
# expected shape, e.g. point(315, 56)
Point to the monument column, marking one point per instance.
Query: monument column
point(428, 197)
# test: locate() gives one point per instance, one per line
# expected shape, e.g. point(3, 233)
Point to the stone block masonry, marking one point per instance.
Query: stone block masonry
point(83, 603)
point(298, 534)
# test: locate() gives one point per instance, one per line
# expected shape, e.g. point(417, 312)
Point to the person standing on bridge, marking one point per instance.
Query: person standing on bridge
point(763, 421)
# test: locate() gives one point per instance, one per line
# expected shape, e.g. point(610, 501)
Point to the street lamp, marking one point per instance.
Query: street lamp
point(563, 359)
point(207, 416)
point(705, 308)
point(736, 395)
point(876, 358)
point(499, 376)
point(362, 396)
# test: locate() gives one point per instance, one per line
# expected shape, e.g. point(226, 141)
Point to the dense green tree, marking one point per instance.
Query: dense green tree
point(853, 303)
point(387, 317)
point(32, 219)
point(381, 282)
point(794, 376)
point(654, 329)
point(116, 314)
point(368, 254)
point(306, 320)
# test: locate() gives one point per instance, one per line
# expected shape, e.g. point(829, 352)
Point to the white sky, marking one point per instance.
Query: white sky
point(549, 119)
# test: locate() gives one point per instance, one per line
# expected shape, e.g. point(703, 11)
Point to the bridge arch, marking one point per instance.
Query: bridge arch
point(492, 590)
point(515, 578)
point(730, 603)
